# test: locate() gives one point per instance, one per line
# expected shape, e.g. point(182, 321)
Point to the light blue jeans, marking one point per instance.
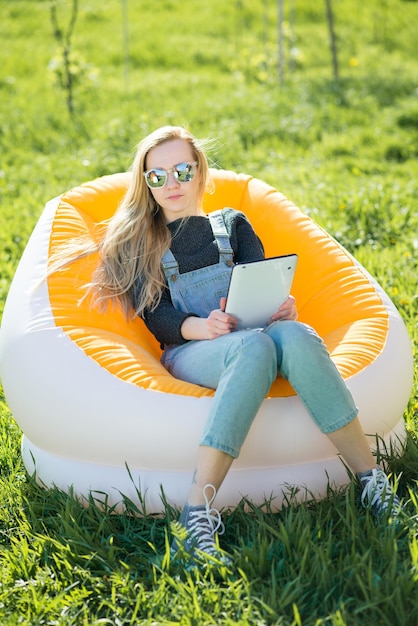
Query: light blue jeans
point(242, 365)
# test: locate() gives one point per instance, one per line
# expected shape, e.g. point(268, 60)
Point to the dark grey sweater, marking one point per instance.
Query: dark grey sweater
point(194, 247)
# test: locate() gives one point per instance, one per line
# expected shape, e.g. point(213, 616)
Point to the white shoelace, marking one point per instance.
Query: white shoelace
point(204, 523)
point(377, 491)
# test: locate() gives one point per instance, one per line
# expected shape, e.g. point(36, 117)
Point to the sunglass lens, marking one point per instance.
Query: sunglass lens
point(184, 172)
point(156, 178)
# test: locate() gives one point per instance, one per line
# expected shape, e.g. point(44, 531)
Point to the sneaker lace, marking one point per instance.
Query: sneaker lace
point(377, 491)
point(204, 523)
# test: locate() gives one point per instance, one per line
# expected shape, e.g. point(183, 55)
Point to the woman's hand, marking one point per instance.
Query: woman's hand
point(287, 311)
point(218, 323)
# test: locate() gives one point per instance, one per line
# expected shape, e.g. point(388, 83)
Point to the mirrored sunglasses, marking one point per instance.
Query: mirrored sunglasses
point(157, 177)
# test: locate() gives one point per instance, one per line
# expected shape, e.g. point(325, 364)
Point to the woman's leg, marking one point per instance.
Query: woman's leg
point(241, 366)
point(351, 443)
point(305, 362)
point(212, 466)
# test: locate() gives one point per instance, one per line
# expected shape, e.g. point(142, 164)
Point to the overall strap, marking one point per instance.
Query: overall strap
point(170, 266)
point(169, 263)
point(221, 236)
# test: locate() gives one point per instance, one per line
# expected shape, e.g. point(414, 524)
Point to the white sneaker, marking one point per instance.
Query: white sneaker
point(378, 494)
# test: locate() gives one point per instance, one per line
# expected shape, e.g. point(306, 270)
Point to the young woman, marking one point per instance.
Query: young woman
point(161, 258)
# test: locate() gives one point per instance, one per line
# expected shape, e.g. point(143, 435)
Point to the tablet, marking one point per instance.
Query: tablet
point(258, 289)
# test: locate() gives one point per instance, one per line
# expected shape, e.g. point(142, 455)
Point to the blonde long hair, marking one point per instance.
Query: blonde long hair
point(137, 235)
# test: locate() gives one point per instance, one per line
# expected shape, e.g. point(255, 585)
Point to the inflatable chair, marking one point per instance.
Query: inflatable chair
point(100, 414)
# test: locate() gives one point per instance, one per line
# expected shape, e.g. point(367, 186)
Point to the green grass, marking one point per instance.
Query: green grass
point(346, 152)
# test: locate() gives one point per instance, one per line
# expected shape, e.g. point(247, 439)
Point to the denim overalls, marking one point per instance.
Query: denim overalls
point(200, 291)
point(242, 365)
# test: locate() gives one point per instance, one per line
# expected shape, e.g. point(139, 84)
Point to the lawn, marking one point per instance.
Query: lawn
point(345, 150)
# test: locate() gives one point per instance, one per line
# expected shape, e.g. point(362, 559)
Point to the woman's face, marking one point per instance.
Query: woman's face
point(176, 199)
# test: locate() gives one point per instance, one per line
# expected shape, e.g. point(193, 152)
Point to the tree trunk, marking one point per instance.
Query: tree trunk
point(332, 38)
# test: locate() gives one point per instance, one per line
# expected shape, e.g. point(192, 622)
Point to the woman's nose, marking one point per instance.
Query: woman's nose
point(172, 180)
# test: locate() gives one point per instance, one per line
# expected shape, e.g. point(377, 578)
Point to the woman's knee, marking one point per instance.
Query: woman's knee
point(256, 348)
point(292, 333)
point(295, 340)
